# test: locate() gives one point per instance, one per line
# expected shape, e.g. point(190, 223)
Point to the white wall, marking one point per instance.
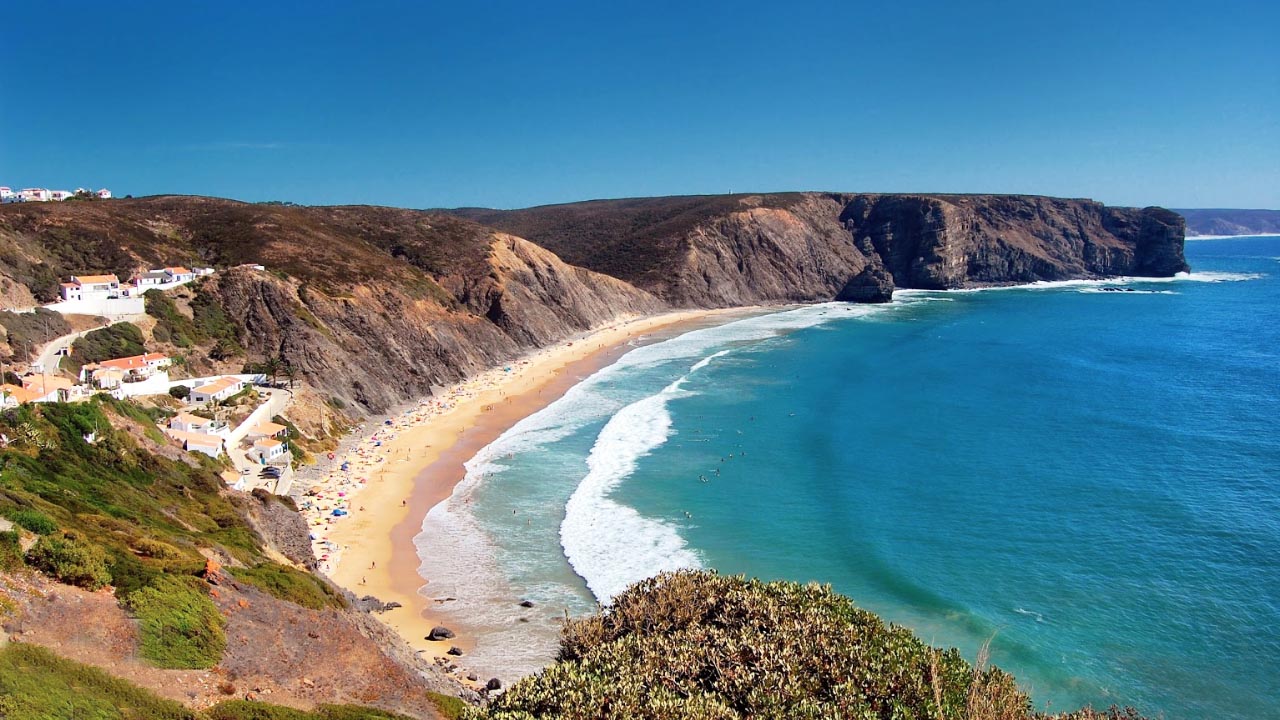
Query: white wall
point(100, 306)
point(157, 384)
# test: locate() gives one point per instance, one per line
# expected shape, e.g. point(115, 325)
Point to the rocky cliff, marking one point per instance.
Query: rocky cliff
point(372, 306)
point(729, 250)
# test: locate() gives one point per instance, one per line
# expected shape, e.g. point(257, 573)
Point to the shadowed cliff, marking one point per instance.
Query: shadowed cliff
point(726, 250)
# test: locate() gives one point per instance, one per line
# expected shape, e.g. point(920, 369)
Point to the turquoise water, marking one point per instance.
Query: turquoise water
point(1089, 479)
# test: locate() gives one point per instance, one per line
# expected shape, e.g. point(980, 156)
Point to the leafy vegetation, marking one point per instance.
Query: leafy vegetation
point(29, 331)
point(145, 514)
point(114, 341)
point(32, 520)
point(35, 684)
point(295, 586)
point(70, 559)
point(212, 322)
point(452, 708)
point(11, 556)
point(171, 325)
point(209, 324)
point(700, 645)
point(179, 624)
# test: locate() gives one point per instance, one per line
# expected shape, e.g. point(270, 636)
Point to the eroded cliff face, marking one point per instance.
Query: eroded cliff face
point(371, 306)
point(817, 246)
point(376, 345)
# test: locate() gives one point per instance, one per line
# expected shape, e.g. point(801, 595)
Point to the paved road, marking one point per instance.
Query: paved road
point(275, 404)
point(48, 358)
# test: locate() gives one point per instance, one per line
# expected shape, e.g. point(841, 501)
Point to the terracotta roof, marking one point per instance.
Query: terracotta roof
point(45, 384)
point(216, 386)
point(21, 394)
point(191, 438)
point(82, 279)
point(179, 270)
point(133, 362)
point(268, 428)
point(265, 443)
point(187, 418)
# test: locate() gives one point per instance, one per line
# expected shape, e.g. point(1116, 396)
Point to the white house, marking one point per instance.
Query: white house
point(151, 279)
point(133, 368)
point(267, 449)
point(91, 287)
point(179, 274)
point(60, 195)
point(266, 429)
point(103, 194)
point(6, 193)
point(186, 422)
point(34, 195)
point(210, 445)
point(218, 390)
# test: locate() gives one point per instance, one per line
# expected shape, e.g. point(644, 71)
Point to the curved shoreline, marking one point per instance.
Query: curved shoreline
point(420, 465)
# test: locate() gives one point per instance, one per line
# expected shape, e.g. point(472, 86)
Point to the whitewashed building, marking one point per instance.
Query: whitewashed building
point(267, 449)
point(91, 287)
point(218, 390)
point(103, 194)
point(34, 195)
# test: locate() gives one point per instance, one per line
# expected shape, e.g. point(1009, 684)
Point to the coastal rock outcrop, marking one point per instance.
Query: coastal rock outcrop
point(719, 251)
point(873, 285)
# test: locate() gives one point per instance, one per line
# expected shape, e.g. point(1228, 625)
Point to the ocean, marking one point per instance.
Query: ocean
point(1084, 474)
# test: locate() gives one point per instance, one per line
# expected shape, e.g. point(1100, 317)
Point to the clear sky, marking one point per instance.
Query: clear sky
point(422, 104)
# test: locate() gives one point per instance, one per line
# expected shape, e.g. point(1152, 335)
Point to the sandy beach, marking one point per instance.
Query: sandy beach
point(365, 505)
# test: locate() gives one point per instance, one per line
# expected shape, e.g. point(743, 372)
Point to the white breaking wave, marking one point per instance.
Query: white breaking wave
point(1127, 291)
point(1122, 281)
point(609, 544)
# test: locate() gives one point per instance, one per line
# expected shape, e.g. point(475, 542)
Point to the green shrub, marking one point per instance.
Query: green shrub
point(27, 332)
point(70, 559)
point(181, 392)
point(10, 553)
point(115, 341)
point(31, 520)
point(180, 626)
point(452, 708)
point(35, 684)
point(292, 585)
point(248, 710)
point(701, 645)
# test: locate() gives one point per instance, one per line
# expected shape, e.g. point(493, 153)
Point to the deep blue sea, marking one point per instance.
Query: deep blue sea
point(1088, 478)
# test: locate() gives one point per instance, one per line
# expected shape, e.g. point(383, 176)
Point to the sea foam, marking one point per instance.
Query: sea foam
point(608, 544)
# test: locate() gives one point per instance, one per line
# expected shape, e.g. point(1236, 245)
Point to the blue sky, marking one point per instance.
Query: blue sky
point(514, 104)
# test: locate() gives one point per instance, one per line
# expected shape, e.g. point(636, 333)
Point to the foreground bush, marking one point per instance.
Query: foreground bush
point(179, 624)
point(701, 645)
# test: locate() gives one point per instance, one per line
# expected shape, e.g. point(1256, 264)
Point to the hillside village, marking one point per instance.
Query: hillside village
point(220, 415)
point(9, 195)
